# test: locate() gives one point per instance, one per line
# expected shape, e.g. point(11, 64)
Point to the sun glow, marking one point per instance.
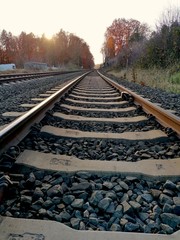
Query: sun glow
point(86, 19)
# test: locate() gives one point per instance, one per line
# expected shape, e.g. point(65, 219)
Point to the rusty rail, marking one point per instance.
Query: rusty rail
point(14, 132)
point(164, 117)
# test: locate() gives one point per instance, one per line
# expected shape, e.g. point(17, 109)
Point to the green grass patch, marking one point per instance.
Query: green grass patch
point(156, 78)
point(175, 78)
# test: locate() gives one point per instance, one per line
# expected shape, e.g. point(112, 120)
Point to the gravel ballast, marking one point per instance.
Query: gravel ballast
point(100, 105)
point(150, 124)
point(85, 201)
point(170, 101)
point(96, 114)
point(12, 95)
point(102, 149)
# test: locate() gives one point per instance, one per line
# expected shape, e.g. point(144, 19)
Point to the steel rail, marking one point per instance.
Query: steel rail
point(14, 132)
point(164, 117)
point(23, 76)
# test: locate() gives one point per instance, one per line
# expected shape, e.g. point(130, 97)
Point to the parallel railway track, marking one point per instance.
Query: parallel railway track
point(103, 164)
point(7, 78)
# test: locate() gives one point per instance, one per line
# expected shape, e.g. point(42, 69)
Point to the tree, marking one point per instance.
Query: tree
point(62, 48)
point(163, 47)
point(122, 32)
point(74, 49)
point(169, 16)
point(86, 57)
point(109, 48)
point(119, 38)
point(8, 47)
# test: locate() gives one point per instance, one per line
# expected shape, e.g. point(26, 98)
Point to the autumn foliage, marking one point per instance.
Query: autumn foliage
point(130, 43)
point(120, 34)
point(61, 49)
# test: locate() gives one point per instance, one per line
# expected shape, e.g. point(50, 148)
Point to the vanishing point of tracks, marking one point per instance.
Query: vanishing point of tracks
point(96, 158)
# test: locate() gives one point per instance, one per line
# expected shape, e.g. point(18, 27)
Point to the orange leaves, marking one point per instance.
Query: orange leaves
point(63, 48)
point(111, 47)
point(120, 34)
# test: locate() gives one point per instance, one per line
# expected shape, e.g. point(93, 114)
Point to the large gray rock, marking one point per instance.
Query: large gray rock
point(82, 226)
point(111, 194)
point(45, 187)
point(50, 215)
point(77, 214)
point(124, 198)
point(86, 214)
point(112, 220)
point(117, 188)
point(139, 199)
point(170, 219)
point(169, 192)
point(36, 207)
point(54, 191)
point(115, 227)
point(84, 195)
point(104, 203)
point(68, 199)
point(75, 222)
point(147, 197)
point(123, 221)
point(176, 201)
point(124, 185)
point(111, 208)
point(94, 221)
point(77, 203)
point(39, 174)
point(131, 227)
point(166, 228)
point(151, 226)
point(47, 204)
point(57, 181)
point(96, 197)
point(61, 206)
point(136, 206)
point(167, 208)
point(169, 185)
point(108, 185)
point(31, 180)
point(26, 200)
point(38, 193)
point(80, 186)
point(143, 216)
point(157, 209)
point(42, 212)
point(165, 199)
point(56, 200)
point(127, 208)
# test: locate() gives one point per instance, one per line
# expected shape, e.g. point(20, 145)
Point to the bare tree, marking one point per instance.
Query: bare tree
point(169, 16)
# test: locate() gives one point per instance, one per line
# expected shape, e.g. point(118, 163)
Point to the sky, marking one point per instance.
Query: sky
point(88, 19)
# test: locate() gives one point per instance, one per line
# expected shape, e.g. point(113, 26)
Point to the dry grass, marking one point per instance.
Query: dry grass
point(156, 78)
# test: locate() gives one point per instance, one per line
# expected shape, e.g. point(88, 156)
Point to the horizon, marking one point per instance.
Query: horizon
point(88, 23)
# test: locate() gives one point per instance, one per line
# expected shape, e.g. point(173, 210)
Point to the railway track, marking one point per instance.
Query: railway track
point(7, 78)
point(94, 159)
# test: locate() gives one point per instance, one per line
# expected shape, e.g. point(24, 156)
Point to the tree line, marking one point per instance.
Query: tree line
point(63, 48)
point(131, 43)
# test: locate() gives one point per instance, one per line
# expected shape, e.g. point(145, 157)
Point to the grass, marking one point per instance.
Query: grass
point(175, 78)
point(154, 77)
